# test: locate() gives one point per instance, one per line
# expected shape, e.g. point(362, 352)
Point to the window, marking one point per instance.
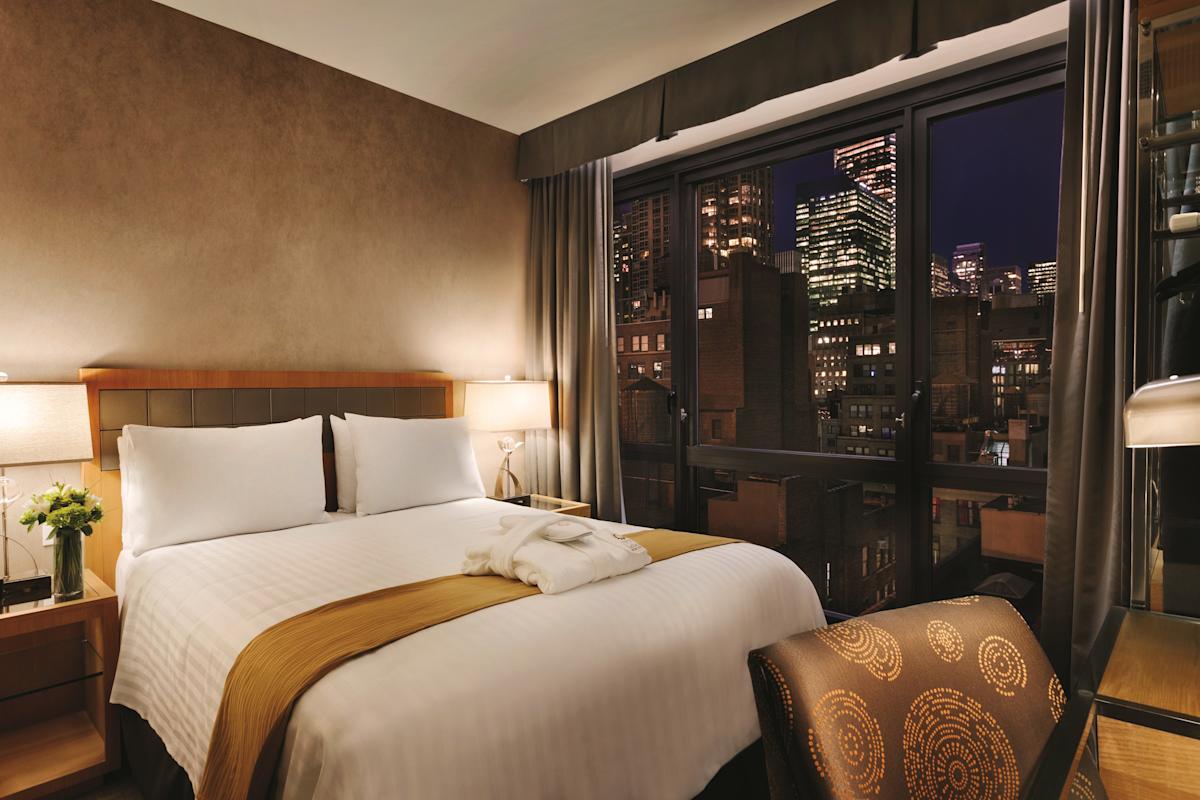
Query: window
point(641, 272)
point(804, 270)
point(992, 322)
point(796, 244)
point(968, 513)
point(991, 312)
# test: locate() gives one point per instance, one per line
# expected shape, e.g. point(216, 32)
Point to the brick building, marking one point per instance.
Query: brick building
point(753, 357)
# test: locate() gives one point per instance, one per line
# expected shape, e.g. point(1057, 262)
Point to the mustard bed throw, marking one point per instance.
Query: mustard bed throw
point(280, 663)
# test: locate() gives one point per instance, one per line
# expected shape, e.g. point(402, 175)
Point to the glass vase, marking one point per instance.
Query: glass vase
point(68, 564)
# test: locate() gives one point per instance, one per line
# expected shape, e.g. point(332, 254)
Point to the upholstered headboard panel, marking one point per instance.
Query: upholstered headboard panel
point(191, 398)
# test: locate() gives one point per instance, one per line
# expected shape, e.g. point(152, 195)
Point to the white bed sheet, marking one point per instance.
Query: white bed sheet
point(631, 687)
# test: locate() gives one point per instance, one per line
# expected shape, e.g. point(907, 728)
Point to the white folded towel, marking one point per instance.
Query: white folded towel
point(554, 553)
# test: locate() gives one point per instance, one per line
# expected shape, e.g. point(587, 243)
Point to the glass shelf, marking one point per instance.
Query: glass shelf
point(544, 503)
point(47, 666)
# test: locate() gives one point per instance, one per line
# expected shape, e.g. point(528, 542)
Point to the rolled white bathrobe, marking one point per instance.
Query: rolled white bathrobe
point(554, 554)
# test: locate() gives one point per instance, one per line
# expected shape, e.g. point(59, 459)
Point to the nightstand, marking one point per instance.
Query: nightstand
point(1136, 708)
point(544, 502)
point(57, 729)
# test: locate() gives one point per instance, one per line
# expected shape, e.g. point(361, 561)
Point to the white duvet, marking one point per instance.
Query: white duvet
point(635, 686)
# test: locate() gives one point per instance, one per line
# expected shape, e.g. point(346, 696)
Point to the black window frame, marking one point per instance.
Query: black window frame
point(908, 113)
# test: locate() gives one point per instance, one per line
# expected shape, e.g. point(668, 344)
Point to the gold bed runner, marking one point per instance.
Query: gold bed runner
point(280, 663)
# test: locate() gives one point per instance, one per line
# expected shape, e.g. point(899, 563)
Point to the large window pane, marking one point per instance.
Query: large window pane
point(994, 176)
point(796, 303)
point(642, 283)
point(841, 533)
point(990, 542)
point(649, 489)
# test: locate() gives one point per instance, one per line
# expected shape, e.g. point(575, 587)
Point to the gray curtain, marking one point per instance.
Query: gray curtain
point(571, 338)
point(1087, 548)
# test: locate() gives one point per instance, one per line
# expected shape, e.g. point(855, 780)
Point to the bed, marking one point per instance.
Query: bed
point(634, 686)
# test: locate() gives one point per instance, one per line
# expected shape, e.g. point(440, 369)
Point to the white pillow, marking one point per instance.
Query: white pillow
point(188, 484)
point(343, 459)
point(403, 463)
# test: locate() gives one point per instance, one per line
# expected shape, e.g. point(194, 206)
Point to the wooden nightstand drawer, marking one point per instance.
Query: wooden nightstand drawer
point(57, 729)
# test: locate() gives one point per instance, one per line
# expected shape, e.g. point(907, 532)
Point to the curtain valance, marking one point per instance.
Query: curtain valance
point(839, 39)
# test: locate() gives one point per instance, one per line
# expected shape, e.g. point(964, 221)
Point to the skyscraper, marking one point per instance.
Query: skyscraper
point(871, 163)
point(788, 262)
point(1002, 280)
point(642, 256)
point(940, 284)
point(735, 217)
point(969, 262)
point(1043, 277)
point(844, 238)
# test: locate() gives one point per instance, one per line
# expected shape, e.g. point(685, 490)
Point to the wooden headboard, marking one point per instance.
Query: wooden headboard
point(196, 398)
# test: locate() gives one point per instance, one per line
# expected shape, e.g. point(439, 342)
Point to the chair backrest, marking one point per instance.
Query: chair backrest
point(947, 699)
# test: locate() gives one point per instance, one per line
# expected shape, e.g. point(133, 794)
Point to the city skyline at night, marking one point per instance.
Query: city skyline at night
point(798, 346)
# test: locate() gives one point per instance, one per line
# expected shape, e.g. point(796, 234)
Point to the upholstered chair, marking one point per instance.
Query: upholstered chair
point(952, 699)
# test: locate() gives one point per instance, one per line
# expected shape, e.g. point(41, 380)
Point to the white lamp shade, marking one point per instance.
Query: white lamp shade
point(1164, 413)
point(44, 423)
point(507, 405)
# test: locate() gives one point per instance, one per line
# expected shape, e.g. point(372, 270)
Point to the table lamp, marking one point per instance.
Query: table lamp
point(1164, 413)
point(40, 423)
point(507, 406)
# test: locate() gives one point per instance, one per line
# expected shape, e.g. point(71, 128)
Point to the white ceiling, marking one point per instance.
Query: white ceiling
point(515, 64)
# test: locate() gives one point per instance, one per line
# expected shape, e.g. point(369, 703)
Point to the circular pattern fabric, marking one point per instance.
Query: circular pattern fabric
point(953, 748)
point(860, 642)
point(1002, 665)
point(946, 641)
point(961, 601)
point(1058, 698)
point(846, 744)
point(1081, 787)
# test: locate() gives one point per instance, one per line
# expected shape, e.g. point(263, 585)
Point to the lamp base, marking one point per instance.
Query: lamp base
point(505, 474)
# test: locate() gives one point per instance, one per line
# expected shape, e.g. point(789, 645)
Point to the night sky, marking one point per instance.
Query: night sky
point(995, 179)
point(786, 176)
point(994, 176)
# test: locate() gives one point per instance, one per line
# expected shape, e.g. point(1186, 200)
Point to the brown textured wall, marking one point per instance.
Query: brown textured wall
point(175, 194)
